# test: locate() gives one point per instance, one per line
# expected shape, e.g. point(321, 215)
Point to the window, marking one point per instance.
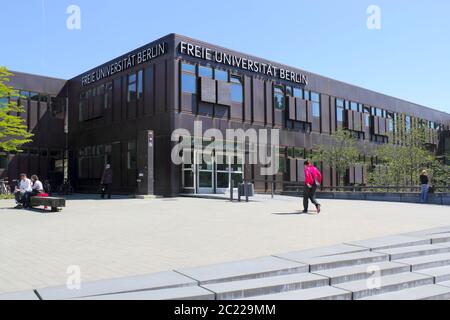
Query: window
point(25, 94)
point(188, 78)
point(354, 106)
point(131, 155)
point(43, 98)
point(278, 98)
point(305, 94)
point(34, 96)
point(132, 93)
point(108, 95)
point(289, 91)
point(220, 75)
point(379, 112)
point(408, 123)
point(206, 72)
point(237, 94)
point(140, 83)
point(298, 93)
point(82, 105)
point(339, 110)
point(315, 98)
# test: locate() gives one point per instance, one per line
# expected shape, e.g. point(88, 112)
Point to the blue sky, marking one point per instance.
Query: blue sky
point(409, 57)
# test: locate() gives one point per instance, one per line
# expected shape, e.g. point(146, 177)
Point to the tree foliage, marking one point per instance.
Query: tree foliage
point(400, 165)
point(340, 153)
point(13, 129)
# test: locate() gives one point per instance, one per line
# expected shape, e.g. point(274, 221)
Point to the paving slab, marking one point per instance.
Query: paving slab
point(320, 293)
point(414, 251)
point(23, 295)
point(343, 260)
point(428, 292)
point(401, 281)
point(162, 280)
point(364, 271)
point(426, 262)
point(256, 287)
point(391, 242)
point(182, 293)
point(245, 269)
point(320, 252)
point(440, 274)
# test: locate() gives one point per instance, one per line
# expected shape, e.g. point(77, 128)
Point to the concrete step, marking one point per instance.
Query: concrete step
point(19, 296)
point(440, 274)
point(428, 292)
point(162, 280)
point(319, 293)
point(445, 284)
point(364, 271)
point(396, 282)
point(344, 260)
point(256, 287)
point(427, 262)
point(414, 251)
point(439, 237)
point(182, 293)
point(245, 269)
point(321, 252)
point(392, 242)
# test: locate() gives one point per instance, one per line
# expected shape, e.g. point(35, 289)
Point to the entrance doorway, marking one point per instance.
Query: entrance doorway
point(213, 173)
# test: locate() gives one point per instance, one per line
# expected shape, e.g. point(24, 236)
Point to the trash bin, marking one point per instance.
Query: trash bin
point(250, 189)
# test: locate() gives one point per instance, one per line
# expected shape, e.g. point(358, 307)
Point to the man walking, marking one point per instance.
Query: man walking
point(313, 179)
point(106, 182)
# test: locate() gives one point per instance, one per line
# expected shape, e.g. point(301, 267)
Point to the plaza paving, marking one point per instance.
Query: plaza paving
point(124, 237)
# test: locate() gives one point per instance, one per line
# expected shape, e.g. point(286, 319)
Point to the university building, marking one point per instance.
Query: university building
point(124, 112)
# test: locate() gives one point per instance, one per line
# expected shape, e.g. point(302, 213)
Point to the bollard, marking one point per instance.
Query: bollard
point(231, 190)
point(246, 191)
point(273, 188)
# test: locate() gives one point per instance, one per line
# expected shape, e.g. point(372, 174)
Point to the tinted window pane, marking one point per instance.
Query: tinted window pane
point(306, 95)
point(140, 84)
point(188, 67)
point(236, 90)
point(316, 109)
point(206, 72)
point(278, 98)
point(188, 83)
point(220, 75)
point(298, 92)
point(315, 97)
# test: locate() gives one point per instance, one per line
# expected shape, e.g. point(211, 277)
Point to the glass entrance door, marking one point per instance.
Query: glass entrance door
point(204, 165)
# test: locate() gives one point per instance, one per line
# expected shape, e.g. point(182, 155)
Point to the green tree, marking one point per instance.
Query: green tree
point(400, 165)
point(340, 153)
point(13, 130)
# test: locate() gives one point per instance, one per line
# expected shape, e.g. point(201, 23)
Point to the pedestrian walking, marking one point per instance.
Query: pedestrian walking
point(106, 182)
point(313, 179)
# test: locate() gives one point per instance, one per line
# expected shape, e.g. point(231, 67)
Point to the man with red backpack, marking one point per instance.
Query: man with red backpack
point(313, 179)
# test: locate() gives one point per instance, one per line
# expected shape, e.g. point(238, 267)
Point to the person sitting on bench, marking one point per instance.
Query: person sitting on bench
point(22, 192)
point(37, 187)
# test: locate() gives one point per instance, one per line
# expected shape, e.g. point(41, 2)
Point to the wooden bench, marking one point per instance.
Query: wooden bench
point(53, 202)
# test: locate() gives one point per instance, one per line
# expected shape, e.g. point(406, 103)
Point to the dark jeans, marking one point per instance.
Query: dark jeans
point(23, 198)
point(106, 189)
point(309, 194)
